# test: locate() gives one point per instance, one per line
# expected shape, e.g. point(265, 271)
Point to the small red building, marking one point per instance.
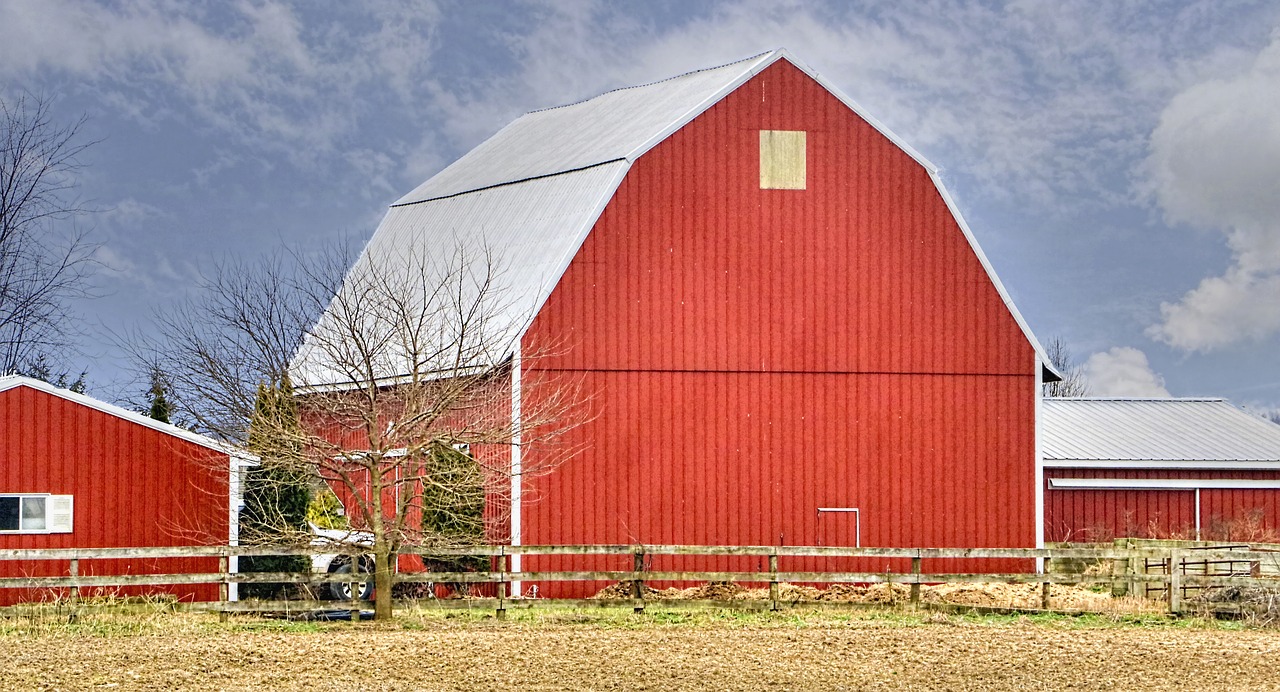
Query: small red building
point(1198, 469)
point(76, 472)
point(790, 333)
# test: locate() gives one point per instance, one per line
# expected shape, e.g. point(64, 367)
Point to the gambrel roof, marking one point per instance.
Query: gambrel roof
point(1157, 433)
point(531, 193)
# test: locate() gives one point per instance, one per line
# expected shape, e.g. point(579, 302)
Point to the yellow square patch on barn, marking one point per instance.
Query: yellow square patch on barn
point(782, 160)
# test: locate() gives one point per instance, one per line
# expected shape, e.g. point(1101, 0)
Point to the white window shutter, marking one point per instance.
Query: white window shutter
point(61, 513)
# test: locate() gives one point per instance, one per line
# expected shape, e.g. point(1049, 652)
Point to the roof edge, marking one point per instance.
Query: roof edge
point(1165, 464)
point(8, 382)
point(1045, 364)
point(544, 291)
point(1156, 399)
point(856, 108)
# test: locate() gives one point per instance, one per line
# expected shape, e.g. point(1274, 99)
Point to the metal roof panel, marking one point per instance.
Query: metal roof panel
point(616, 125)
point(1170, 430)
point(531, 229)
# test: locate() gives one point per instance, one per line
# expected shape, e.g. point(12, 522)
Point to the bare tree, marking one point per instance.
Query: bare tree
point(408, 405)
point(404, 389)
point(44, 257)
point(237, 332)
point(1073, 382)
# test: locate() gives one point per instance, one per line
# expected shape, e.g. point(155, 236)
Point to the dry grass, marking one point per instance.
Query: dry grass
point(988, 595)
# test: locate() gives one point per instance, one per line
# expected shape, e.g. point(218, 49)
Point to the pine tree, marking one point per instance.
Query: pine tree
point(276, 493)
point(160, 408)
point(40, 369)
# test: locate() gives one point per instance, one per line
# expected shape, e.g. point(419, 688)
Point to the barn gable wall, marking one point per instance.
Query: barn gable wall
point(693, 267)
point(132, 487)
point(759, 354)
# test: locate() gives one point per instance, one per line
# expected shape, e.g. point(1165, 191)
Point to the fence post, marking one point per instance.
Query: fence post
point(502, 582)
point(74, 571)
point(915, 581)
point(637, 584)
point(1119, 576)
point(773, 580)
point(1175, 581)
point(223, 572)
point(1046, 585)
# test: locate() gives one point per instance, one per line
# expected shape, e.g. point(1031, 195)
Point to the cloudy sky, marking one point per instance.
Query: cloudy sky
point(1118, 162)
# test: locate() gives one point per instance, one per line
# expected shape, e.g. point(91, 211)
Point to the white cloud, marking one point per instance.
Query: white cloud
point(1215, 163)
point(1221, 311)
point(260, 72)
point(1123, 371)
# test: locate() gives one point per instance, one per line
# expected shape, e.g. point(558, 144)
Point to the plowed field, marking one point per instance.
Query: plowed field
point(655, 651)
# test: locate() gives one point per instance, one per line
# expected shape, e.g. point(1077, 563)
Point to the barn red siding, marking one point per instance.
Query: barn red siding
point(133, 487)
point(758, 354)
point(1100, 515)
point(486, 410)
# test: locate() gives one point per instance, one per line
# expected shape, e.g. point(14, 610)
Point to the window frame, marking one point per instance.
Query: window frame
point(48, 517)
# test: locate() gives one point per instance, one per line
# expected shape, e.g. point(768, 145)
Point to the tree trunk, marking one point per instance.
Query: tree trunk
point(383, 569)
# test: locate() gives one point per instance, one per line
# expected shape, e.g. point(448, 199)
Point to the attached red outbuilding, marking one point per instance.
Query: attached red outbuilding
point(76, 472)
point(1159, 468)
point(790, 334)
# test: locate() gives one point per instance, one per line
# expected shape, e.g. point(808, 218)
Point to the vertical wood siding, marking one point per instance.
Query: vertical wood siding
point(133, 487)
point(1100, 515)
point(758, 354)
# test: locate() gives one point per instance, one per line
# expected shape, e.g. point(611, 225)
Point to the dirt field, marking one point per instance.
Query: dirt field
point(655, 651)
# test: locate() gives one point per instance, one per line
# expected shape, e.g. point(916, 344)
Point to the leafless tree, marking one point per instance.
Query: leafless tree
point(45, 257)
point(239, 329)
point(1073, 382)
point(408, 404)
point(404, 389)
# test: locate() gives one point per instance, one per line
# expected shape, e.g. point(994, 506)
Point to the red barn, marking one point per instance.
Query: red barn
point(791, 335)
point(1159, 468)
point(79, 473)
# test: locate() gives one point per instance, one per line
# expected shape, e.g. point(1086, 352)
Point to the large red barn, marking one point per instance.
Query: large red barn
point(76, 472)
point(791, 334)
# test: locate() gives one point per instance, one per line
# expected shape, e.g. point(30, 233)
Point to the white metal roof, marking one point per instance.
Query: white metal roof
point(8, 382)
point(620, 124)
point(532, 192)
point(1149, 432)
point(532, 228)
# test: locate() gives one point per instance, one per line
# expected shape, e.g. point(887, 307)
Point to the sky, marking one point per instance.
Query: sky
point(1119, 163)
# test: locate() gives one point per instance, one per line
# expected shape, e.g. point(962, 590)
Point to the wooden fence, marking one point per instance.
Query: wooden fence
point(1183, 570)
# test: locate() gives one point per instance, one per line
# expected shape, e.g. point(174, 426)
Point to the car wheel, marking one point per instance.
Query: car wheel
point(349, 590)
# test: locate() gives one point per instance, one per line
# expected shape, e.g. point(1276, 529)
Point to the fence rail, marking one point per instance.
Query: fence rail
point(1177, 573)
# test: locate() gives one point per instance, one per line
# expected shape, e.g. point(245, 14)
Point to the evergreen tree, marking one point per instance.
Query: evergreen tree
point(160, 408)
point(453, 501)
point(276, 493)
point(40, 369)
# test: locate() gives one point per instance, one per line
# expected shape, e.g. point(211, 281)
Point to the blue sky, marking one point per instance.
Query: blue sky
point(1118, 162)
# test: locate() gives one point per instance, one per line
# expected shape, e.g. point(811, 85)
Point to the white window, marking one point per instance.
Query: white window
point(35, 513)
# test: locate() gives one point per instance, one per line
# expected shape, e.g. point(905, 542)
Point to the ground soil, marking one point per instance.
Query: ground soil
point(672, 650)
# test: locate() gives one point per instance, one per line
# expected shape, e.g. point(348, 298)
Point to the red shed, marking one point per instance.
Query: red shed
point(76, 472)
point(1159, 468)
point(792, 336)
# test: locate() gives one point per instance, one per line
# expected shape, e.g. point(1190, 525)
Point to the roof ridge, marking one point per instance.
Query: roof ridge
point(656, 81)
